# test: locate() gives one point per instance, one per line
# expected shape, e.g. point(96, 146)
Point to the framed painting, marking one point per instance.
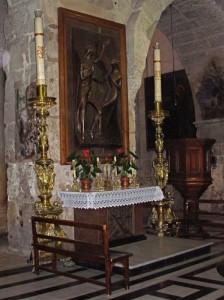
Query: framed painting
point(92, 84)
point(178, 101)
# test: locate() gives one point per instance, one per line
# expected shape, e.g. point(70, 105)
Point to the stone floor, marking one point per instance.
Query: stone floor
point(161, 268)
point(9, 258)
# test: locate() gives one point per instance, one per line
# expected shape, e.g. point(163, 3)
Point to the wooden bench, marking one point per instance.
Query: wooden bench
point(85, 251)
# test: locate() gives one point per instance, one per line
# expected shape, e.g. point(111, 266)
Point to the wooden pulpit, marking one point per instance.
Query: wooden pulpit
point(190, 173)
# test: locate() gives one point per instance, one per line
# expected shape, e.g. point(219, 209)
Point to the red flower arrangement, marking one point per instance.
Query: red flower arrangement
point(85, 165)
point(86, 153)
point(119, 150)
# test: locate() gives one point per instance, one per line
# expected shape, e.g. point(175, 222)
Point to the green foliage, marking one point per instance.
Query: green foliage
point(85, 166)
point(125, 163)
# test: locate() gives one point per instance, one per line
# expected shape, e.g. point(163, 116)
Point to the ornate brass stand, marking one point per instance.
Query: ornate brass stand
point(162, 218)
point(44, 166)
point(160, 164)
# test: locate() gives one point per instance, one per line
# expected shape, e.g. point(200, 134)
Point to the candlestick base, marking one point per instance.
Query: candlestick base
point(98, 184)
point(116, 183)
point(76, 186)
point(134, 182)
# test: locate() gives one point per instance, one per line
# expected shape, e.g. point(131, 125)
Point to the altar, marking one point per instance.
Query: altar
point(121, 210)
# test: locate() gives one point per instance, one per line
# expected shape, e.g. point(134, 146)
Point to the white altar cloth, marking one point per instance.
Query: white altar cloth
point(113, 198)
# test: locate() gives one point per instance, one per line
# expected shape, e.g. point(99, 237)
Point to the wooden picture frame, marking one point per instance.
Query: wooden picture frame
point(92, 85)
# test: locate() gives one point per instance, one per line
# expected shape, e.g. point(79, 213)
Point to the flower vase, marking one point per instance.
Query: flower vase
point(85, 185)
point(125, 182)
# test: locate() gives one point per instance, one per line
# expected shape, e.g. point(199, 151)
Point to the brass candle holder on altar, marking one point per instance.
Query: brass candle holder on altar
point(162, 221)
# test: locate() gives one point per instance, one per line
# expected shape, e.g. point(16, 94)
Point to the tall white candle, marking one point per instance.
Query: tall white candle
point(39, 43)
point(157, 74)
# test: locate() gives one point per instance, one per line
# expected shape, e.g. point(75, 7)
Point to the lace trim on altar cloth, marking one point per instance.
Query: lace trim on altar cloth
point(114, 198)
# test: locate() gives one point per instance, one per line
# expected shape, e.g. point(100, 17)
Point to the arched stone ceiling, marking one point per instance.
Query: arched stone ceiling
point(197, 26)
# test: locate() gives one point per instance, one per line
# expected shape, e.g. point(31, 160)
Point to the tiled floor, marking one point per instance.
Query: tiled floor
point(156, 273)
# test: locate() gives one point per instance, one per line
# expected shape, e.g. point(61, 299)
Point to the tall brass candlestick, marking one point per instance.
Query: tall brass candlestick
point(44, 166)
point(160, 164)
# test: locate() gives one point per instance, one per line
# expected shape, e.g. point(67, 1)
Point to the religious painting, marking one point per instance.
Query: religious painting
point(92, 85)
point(177, 101)
point(211, 93)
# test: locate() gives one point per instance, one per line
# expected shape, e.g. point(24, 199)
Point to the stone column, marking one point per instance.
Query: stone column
point(3, 179)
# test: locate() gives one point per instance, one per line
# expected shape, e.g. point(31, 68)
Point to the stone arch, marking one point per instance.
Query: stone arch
point(140, 28)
